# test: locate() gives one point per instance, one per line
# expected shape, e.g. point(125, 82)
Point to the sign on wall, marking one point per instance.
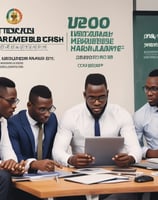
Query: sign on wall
point(57, 43)
point(145, 50)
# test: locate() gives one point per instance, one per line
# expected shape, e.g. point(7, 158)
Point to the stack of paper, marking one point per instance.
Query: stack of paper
point(153, 160)
point(114, 171)
point(92, 170)
point(35, 176)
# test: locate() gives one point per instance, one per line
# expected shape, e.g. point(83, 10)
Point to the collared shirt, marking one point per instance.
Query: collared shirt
point(77, 124)
point(6, 150)
point(146, 124)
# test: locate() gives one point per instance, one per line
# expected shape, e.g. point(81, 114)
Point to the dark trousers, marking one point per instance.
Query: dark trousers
point(153, 195)
point(101, 197)
point(5, 185)
point(20, 195)
point(71, 198)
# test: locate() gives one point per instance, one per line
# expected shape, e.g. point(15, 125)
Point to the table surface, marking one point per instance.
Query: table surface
point(53, 188)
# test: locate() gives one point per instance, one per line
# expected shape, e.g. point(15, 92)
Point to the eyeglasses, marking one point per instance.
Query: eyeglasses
point(11, 101)
point(152, 89)
point(92, 99)
point(44, 110)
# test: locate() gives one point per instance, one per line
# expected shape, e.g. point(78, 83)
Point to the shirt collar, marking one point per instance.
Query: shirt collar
point(153, 108)
point(30, 119)
point(2, 119)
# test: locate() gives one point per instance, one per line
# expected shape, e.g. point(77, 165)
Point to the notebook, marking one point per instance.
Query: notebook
point(103, 149)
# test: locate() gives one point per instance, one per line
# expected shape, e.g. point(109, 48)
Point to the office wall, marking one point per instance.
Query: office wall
point(56, 63)
point(146, 5)
point(145, 57)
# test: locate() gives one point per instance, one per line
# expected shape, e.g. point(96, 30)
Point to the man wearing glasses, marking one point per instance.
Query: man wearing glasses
point(79, 123)
point(8, 159)
point(146, 120)
point(24, 133)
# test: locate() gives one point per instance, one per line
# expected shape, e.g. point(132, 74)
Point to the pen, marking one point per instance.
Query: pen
point(56, 178)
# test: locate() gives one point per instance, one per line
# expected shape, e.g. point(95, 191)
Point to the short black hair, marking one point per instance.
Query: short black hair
point(153, 73)
point(40, 91)
point(6, 82)
point(95, 79)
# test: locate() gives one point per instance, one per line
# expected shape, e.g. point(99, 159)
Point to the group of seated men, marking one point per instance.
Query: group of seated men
point(33, 139)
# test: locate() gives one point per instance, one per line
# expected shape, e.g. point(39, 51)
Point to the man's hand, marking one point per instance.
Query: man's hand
point(19, 168)
point(152, 153)
point(80, 160)
point(123, 160)
point(44, 165)
point(14, 167)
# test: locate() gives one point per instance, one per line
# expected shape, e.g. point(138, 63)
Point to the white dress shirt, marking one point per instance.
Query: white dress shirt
point(6, 150)
point(77, 123)
point(146, 124)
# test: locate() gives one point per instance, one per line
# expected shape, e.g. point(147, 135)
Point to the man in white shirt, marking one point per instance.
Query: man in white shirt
point(78, 123)
point(8, 165)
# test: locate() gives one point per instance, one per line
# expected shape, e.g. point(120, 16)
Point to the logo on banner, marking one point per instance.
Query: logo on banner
point(14, 16)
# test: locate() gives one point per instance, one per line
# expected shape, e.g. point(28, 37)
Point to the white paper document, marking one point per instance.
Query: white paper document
point(96, 178)
point(92, 170)
point(35, 176)
point(153, 160)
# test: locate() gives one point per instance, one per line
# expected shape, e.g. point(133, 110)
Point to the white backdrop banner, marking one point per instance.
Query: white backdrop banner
point(57, 43)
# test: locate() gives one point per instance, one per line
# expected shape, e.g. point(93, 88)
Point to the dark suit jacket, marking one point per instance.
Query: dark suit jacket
point(22, 138)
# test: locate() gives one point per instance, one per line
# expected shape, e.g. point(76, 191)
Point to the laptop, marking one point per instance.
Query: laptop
point(103, 149)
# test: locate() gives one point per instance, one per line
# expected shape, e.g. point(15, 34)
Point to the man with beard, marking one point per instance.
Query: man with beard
point(146, 120)
point(78, 123)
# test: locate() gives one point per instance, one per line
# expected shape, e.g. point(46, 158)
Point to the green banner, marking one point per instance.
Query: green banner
point(145, 32)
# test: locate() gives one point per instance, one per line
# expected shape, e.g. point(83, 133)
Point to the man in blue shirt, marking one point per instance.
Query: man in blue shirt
point(146, 120)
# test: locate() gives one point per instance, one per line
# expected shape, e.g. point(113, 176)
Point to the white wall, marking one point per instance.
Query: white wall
point(146, 5)
point(64, 74)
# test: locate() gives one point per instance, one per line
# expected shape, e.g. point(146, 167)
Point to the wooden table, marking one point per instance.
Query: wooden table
point(52, 188)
